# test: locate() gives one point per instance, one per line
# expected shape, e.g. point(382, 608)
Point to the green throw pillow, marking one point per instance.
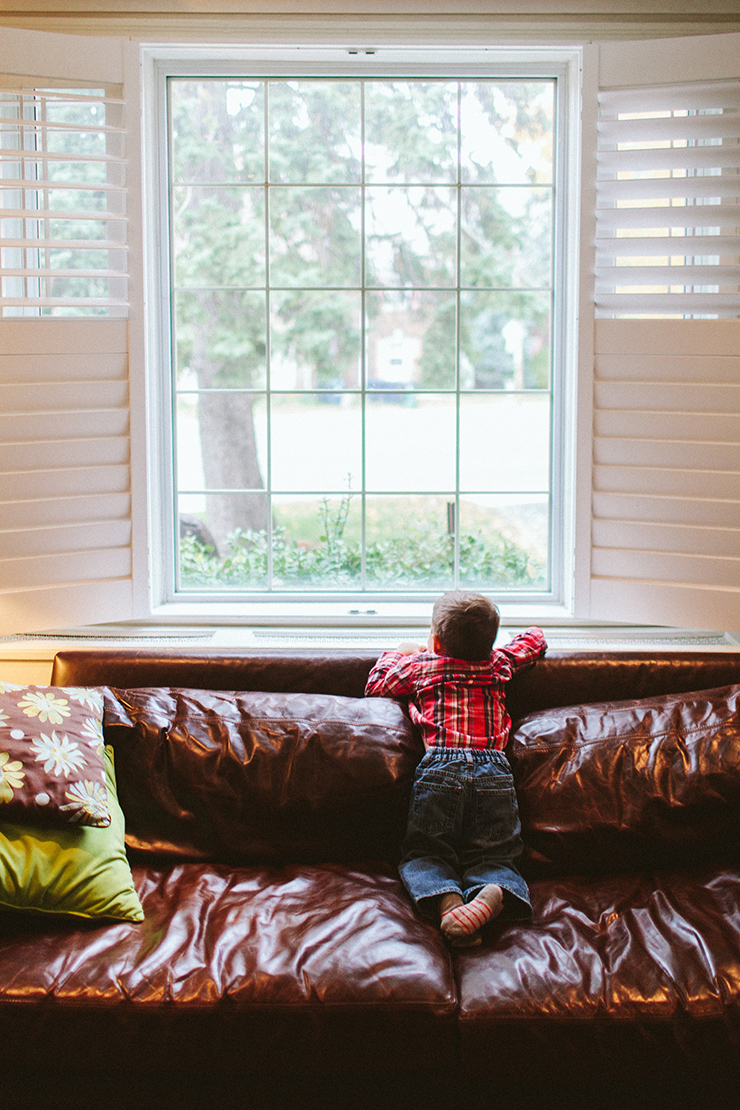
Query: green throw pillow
point(81, 871)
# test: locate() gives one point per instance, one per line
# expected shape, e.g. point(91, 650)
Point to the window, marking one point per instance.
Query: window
point(62, 201)
point(365, 336)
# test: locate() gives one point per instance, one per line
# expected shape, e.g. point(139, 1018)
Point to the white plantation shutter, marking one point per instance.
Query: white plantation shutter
point(62, 199)
point(668, 215)
point(665, 528)
point(65, 507)
point(65, 449)
point(666, 475)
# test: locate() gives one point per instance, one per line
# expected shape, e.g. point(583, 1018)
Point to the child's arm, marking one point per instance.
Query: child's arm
point(392, 676)
point(525, 649)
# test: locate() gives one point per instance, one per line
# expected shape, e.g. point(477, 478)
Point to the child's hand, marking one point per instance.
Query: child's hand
point(410, 649)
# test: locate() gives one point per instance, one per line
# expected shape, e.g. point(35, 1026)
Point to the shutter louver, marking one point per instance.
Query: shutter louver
point(65, 524)
point(62, 201)
point(668, 215)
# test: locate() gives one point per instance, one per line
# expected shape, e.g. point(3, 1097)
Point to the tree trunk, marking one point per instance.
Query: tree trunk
point(229, 450)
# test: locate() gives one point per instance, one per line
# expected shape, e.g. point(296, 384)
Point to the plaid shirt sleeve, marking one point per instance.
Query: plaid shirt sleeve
point(524, 649)
point(391, 677)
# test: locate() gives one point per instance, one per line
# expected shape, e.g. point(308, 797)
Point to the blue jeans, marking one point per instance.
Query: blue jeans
point(463, 830)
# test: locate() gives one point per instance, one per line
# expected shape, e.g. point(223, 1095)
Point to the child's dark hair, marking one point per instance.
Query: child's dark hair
point(466, 624)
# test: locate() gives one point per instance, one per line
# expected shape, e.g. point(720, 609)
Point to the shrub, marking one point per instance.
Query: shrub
point(418, 557)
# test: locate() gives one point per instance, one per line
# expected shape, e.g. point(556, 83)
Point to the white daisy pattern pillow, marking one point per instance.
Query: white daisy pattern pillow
point(51, 755)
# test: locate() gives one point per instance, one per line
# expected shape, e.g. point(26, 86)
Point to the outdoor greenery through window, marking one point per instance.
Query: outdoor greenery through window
point(362, 315)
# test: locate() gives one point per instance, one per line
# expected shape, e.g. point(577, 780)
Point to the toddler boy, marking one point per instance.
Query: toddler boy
point(459, 857)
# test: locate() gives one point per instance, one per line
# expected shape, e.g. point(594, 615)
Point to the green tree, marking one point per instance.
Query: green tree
point(219, 216)
point(220, 327)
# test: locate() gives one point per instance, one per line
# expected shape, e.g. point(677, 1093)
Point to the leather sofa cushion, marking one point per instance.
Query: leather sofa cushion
point(613, 976)
point(630, 784)
point(250, 776)
point(250, 969)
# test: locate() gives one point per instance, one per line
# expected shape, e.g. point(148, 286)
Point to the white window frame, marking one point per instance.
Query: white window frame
point(159, 63)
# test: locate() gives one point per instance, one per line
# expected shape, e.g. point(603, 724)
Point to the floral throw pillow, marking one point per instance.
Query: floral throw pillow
point(51, 756)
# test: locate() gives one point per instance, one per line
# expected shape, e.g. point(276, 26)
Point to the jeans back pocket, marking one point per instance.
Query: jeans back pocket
point(496, 812)
point(435, 802)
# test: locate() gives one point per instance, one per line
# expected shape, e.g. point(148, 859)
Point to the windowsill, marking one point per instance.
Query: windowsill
point(344, 614)
point(291, 636)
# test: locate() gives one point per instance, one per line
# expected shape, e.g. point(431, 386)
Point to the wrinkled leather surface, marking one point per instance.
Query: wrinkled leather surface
point(632, 784)
point(628, 972)
point(233, 776)
point(333, 672)
point(581, 677)
point(301, 967)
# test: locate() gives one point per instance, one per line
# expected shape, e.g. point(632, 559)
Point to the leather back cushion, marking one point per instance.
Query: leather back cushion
point(238, 777)
point(615, 785)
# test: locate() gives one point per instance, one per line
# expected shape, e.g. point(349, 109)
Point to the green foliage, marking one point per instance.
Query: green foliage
point(416, 557)
point(314, 135)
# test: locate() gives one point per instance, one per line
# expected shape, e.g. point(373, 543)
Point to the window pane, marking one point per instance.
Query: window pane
point(315, 339)
point(315, 132)
point(411, 339)
point(220, 339)
point(219, 236)
point(316, 444)
point(505, 340)
point(218, 130)
point(317, 543)
point(315, 236)
point(203, 464)
point(239, 561)
point(187, 438)
point(504, 542)
point(505, 237)
point(410, 442)
point(505, 442)
point(409, 544)
point(411, 131)
point(411, 236)
point(507, 129)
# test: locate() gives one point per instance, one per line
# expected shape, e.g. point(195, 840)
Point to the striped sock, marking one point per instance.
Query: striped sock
point(463, 921)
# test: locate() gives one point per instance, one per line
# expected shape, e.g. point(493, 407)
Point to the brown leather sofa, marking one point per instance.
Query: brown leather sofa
point(279, 956)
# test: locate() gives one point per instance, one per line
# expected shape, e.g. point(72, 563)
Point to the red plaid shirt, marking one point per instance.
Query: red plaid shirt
point(456, 703)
